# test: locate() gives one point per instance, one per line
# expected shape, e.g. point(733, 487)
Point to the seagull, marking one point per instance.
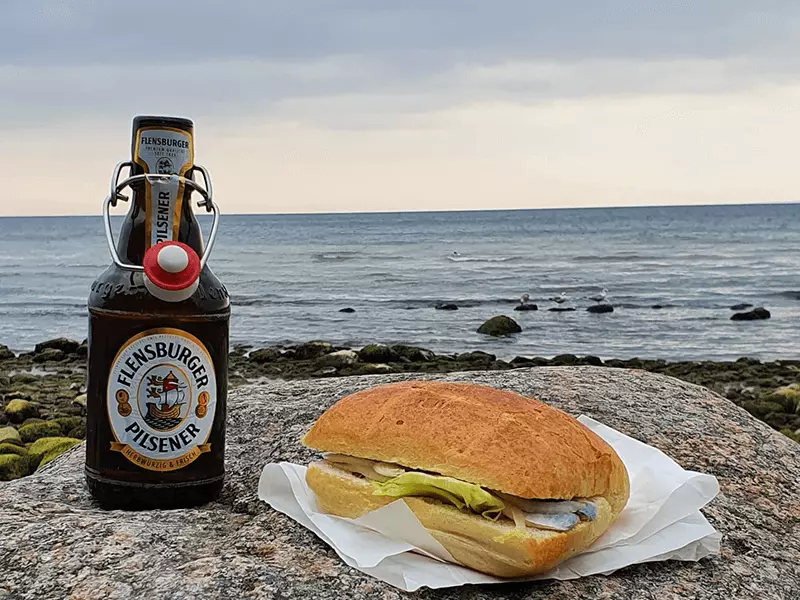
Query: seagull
point(561, 299)
point(599, 297)
point(524, 299)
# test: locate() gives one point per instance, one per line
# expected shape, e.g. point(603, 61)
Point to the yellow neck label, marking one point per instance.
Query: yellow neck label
point(163, 151)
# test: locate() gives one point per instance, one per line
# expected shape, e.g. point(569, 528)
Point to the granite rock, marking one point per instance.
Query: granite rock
point(55, 543)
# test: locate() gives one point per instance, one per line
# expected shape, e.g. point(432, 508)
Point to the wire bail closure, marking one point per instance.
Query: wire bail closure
point(117, 186)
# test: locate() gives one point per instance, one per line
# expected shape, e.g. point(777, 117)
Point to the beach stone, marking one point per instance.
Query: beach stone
point(526, 307)
point(600, 308)
point(17, 410)
point(413, 353)
point(78, 432)
point(265, 355)
point(65, 345)
point(752, 315)
point(657, 306)
point(347, 310)
point(9, 435)
point(239, 547)
point(375, 368)
point(18, 395)
point(311, 350)
point(34, 431)
point(82, 350)
point(499, 326)
point(67, 424)
point(378, 353)
point(49, 355)
point(5, 353)
point(340, 358)
point(446, 306)
point(23, 379)
point(80, 401)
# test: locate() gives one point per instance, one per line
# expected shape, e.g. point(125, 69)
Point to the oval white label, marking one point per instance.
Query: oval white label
point(161, 399)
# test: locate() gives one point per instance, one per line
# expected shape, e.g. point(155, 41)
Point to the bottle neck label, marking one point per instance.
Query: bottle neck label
point(163, 151)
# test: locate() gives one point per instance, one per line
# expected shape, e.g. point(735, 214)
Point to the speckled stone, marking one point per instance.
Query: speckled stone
point(54, 543)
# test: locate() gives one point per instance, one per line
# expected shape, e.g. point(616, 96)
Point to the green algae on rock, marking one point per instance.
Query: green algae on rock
point(18, 410)
point(34, 431)
point(51, 448)
point(8, 448)
point(13, 466)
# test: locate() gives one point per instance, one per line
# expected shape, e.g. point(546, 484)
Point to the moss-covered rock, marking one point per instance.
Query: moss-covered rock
point(23, 378)
point(64, 345)
point(413, 353)
point(9, 435)
point(34, 431)
point(13, 466)
point(18, 410)
point(78, 432)
point(49, 355)
point(5, 353)
point(6, 448)
point(311, 350)
point(476, 357)
point(500, 325)
point(378, 353)
point(67, 424)
point(265, 355)
point(46, 449)
point(340, 358)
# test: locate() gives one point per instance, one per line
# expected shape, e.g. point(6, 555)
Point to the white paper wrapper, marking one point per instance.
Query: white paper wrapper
point(661, 521)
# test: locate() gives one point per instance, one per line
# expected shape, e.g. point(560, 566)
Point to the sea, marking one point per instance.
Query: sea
point(671, 274)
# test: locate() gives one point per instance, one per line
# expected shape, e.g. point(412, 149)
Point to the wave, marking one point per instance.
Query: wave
point(488, 259)
point(622, 257)
point(336, 256)
point(792, 295)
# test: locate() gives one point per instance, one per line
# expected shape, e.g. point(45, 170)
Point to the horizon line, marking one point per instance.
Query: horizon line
point(444, 211)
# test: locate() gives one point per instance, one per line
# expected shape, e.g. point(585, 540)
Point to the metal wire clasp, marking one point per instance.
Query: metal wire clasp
point(117, 186)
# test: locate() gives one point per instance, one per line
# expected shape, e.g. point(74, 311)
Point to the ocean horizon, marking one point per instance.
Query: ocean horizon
point(290, 274)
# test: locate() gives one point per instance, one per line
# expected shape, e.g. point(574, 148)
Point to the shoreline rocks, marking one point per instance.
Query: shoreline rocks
point(499, 326)
point(756, 314)
point(600, 309)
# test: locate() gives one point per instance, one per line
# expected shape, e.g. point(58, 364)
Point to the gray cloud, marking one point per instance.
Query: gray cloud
point(61, 60)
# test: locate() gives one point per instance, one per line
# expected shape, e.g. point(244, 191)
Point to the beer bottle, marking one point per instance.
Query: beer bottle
point(158, 335)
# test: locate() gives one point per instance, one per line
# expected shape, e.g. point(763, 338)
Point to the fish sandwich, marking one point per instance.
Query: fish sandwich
point(508, 485)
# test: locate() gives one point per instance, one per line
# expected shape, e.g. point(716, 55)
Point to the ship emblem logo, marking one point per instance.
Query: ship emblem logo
point(166, 401)
point(164, 166)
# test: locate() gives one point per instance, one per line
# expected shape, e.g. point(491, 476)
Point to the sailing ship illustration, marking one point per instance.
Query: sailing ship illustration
point(168, 394)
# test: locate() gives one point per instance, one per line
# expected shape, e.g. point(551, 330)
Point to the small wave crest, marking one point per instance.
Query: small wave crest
point(335, 256)
point(487, 259)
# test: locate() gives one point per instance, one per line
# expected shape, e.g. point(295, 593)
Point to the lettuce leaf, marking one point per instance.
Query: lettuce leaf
point(454, 491)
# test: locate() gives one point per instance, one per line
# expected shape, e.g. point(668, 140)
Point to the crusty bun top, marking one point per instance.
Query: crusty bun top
point(495, 438)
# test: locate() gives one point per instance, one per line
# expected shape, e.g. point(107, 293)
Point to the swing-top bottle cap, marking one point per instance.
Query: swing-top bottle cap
point(171, 271)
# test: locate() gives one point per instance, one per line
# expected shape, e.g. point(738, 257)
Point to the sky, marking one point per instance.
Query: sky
point(336, 106)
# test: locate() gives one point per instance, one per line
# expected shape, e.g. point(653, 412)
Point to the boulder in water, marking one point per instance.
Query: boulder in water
point(347, 310)
point(524, 307)
point(6, 353)
point(742, 306)
point(476, 357)
point(446, 306)
point(562, 309)
point(499, 326)
point(600, 308)
point(752, 315)
point(657, 306)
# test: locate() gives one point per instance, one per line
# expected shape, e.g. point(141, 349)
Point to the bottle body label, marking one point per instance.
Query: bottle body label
point(163, 151)
point(161, 399)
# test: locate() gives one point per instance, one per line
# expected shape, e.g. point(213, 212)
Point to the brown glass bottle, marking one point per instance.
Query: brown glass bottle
point(157, 370)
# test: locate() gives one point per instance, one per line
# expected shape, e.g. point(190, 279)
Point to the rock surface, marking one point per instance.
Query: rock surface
point(752, 315)
point(54, 543)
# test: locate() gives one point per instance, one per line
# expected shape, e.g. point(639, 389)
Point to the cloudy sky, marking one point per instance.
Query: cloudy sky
point(416, 105)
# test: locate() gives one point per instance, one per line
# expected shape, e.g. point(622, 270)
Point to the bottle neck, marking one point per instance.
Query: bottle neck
point(160, 208)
